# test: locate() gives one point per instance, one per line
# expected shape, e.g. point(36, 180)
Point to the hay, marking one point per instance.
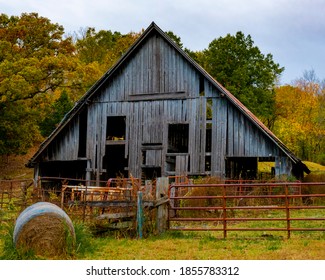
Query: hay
point(47, 236)
point(45, 230)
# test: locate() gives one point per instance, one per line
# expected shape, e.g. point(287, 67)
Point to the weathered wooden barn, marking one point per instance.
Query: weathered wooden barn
point(158, 113)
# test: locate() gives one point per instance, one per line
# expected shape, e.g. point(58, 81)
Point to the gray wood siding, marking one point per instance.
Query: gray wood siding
point(66, 144)
point(155, 68)
point(156, 87)
point(244, 139)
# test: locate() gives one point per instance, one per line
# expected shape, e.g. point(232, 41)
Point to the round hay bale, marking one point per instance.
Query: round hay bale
point(45, 229)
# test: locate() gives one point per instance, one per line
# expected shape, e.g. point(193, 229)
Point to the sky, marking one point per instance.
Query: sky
point(293, 31)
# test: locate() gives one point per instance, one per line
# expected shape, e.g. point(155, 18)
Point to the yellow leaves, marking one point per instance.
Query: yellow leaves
point(299, 120)
point(3, 98)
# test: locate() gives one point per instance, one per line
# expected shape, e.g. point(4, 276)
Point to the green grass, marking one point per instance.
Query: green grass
point(315, 167)
point(186, 246)
point(207, 246)
point(312, 166)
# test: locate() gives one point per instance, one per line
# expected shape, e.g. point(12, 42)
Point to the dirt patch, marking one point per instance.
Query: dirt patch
point(12, 167)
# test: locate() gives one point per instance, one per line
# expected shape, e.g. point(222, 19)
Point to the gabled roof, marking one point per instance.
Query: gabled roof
point(154, 28)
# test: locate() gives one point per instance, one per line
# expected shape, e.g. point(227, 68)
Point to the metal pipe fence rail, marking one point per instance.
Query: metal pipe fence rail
point(75, 196)
point(14, 196)
point(227, 209)
point(85, 200)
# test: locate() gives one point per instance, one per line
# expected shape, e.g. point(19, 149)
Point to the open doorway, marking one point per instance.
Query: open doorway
point(115, 162)
point(244, 168)
point(178, 138)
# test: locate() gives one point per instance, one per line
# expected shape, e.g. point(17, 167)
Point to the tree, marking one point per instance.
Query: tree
point(103, 47)
point(56, 113)
point(96, 53)
point(241, 68)
point(34, 62)
point(18, 129)
point(36, 58)
point(93, 46)
point(175, 38)
point(300, 118)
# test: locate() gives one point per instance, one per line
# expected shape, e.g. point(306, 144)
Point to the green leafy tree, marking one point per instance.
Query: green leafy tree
point(241, 68)
point(18, 130)
point(34, 62)
point(57, 111)
point(103, 47)
point(175, 38)
point(94, 46)
point(96, 53)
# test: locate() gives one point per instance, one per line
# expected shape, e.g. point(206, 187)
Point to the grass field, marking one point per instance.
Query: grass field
point(188, 246)
point(208, 247)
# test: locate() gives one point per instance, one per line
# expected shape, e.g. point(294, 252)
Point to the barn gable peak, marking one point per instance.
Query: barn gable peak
point(163, 88)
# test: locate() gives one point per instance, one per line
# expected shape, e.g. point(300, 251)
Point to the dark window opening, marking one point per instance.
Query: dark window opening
point(82, 134)
point(144, 157)
point(151, 144)
point(150, 173)
point(115, 162)
point(115, 129)
point(202, 93)
point(208, 138)
point(244, 168)
point(178, 138)
point(208, 163)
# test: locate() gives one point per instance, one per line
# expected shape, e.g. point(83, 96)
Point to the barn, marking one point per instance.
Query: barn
point(155, 113)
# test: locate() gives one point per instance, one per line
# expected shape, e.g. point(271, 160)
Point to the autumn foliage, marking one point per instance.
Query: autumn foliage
point(300, 119)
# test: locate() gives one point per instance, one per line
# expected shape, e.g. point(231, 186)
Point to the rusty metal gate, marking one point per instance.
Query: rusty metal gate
point(278, 206)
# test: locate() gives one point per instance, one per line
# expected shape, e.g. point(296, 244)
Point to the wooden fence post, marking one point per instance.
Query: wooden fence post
point(23, 188)
point(139, 214)
point(162, 210)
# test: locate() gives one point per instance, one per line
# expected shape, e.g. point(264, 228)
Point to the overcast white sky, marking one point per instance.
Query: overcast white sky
point(293, 31)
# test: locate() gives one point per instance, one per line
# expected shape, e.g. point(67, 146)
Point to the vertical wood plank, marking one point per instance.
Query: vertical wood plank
point(162, 211)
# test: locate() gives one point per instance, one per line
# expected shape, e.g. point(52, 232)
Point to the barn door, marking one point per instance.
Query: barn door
point(181, 165)
point(151, 161)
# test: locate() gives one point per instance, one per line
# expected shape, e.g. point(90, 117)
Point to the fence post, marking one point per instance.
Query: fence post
point(224, 213)
point(139, 214)
point(23, 188)
point(172, 194)
point(84, 200)
point(287, 210)
point(162, 211)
